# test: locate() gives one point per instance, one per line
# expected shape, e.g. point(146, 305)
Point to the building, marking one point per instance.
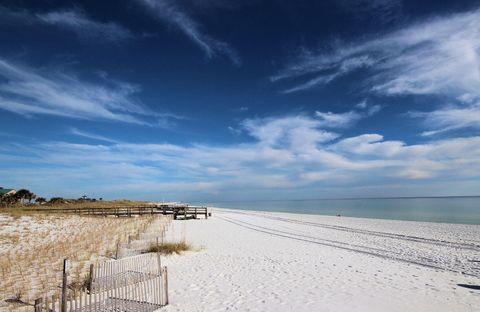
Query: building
point(4, 191)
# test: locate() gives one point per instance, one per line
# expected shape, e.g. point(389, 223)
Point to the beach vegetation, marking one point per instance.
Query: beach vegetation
point(33, 246)
point(168, 248)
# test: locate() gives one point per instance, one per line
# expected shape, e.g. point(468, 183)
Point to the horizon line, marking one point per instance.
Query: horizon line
point(350, 198)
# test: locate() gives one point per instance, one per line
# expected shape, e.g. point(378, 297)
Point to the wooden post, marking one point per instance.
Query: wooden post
point(90, 282)
point(159, 260)
point(117, 250)
point(54, 303)
point(38, 305)
point(66, 267)
point(166, 286)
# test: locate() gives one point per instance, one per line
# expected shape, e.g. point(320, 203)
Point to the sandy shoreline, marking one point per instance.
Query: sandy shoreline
point(264, 261)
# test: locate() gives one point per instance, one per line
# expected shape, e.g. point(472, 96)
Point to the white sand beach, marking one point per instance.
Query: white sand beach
point(263, 261)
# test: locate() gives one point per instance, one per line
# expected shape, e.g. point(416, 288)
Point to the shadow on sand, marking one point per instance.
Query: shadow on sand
point(476, 287)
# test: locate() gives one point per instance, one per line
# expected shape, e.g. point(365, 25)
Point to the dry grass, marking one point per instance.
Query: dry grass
point(33, 246)
point(22, 209)
point(168, 248)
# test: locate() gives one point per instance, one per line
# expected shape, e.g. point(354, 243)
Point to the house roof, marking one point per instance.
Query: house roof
point(5, 191)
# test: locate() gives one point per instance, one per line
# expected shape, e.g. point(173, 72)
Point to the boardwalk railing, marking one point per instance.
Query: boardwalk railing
point(184, 211)
point(137, 283)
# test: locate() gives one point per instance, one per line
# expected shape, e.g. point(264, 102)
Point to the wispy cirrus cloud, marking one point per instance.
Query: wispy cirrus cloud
point(85, 27)
point(449, 119)
point(74, 19)
point(30, 92)
point(170, 12)
point(435, 57)
point(93, 136)
point(290, 153)
point(384, 10)
point(8, 15)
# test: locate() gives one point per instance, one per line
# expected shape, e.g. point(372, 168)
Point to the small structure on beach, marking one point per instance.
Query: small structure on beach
point(4, 191)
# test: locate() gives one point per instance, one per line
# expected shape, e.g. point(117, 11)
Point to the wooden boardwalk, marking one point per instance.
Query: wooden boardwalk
point(178, 211)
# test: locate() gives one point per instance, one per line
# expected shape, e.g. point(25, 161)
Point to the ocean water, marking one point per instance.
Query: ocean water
point(464, 210)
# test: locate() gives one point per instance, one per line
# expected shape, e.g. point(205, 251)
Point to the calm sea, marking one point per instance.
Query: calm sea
point(444, 209)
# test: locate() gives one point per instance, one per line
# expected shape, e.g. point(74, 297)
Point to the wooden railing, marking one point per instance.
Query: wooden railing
point(185, 211)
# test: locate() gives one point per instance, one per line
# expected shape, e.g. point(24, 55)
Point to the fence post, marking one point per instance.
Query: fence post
point(90, 281)
point(159, 261)
point(66, 267)
point(38, 305)
point(54, 304)
point(166, 285)
point(117, 250)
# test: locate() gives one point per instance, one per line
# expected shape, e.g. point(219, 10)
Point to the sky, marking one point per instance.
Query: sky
point(214, 100)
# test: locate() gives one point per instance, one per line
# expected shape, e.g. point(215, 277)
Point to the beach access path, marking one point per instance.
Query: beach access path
point(264, 261)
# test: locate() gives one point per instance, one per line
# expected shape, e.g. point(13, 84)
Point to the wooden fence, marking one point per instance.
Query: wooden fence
point(184, 211)
point(138, 244)
point(137, 283)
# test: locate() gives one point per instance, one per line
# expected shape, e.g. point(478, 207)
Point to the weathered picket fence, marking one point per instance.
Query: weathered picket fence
point(132, 284)
point(142, 241)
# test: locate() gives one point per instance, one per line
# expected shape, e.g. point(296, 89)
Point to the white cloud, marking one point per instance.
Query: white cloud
point(8, 15)
point(240, 109)
point(234, 131)
point(347, 119)
point(372, 110)
point(362, 105)
point(294, 131)
point(325, 73)
point(72, 19)
point(92, 136)
point(450, 119)
point(384, 10)
point(170, 12)
point(439, 56)
point(85, 27)
point(369, 144)
point(287, 154)
point(28, 92)
point(342, 120)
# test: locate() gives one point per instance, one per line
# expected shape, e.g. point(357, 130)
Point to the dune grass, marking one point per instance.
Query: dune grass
point(33, 246)
point(168, 248)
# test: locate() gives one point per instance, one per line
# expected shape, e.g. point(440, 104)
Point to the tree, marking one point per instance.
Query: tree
point(8, 200)
point(40, 200)
point(56, 200)
point(30, 196)
point(20, 194)
point(24, 195)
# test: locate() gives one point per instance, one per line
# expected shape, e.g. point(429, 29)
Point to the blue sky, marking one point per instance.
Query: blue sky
point(227, 100)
